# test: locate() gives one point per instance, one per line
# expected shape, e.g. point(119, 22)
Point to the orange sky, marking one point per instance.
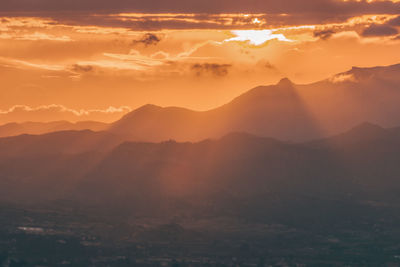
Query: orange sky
point(81, 65)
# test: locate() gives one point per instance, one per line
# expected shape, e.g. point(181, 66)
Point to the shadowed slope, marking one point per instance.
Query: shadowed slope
point(238, 174)
point(153, 123)
point(13, 129)
point(65, 142)
point(356, 166)
point(285, 111)
point(41, 167)
point(278, 111)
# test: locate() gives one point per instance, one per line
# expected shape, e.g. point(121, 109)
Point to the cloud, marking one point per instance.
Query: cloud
point(194, 6)
point(396, 37)
point(324, 34)
point(53, 112)
point(256, 37)
point(43, 36)
point(218, 70)
point(179, 14)
point(36, 36)
point(344, 77)
point(82, 68)
point(264, 64)
point(394, 22)
point(375, 30)
point(10, 62)
point(268, 65)
point(148, 39)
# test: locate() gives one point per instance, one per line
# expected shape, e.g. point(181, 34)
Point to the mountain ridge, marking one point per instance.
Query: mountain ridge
point(14, 128)
point(237, 164)
point(285, 111)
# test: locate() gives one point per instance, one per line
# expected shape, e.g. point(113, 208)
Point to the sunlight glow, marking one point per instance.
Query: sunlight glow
point(257, 37)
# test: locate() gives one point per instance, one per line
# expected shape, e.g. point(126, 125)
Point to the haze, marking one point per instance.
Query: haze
point(188, 133)
point(98, 61)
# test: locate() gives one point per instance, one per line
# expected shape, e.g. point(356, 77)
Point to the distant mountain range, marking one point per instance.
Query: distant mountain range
point(13, 129)
point(252, 177)
point(274, 153)
point(285, 111)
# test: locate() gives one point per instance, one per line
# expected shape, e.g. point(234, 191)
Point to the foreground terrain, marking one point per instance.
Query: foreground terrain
point(92, 199)
point(54, 236)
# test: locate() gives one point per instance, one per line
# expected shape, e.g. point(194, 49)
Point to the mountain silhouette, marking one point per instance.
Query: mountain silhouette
point(63, 142)
point(285, 111)
point(270, 151)
point(239, 173)
point(13, 129)
point(276, 111)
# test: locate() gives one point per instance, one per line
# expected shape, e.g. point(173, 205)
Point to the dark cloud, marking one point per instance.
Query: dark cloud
point(265, 64)
point(204, 6)
point(82, 68)
point(394, 22)
point(148, 39)
point(268, 65)
point(219, 70)
point(379, 30)
point(296, 12)
point(324, 34)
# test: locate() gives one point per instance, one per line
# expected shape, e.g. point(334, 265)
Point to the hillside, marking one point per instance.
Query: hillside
point(286, 111)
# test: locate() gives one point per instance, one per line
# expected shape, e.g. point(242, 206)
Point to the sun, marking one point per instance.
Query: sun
point(256, 37)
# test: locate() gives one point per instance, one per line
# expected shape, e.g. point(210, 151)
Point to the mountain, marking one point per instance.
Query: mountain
point(13, 129)
point(286, 111)
point(244, 176)
point(237, 175)
point(362, 133)
point(153, 123)
point(63, 142)
point(37, 167)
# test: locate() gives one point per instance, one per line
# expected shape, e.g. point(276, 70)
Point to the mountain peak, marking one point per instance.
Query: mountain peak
point(148, 107)
point(366, 131)
point(143, 110)
point(285, 82)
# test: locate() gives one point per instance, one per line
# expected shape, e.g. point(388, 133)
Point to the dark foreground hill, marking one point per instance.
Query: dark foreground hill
point(239, 174)
point(90, 199)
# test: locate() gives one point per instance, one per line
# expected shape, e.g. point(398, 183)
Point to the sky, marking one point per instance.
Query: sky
point(97, 59)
